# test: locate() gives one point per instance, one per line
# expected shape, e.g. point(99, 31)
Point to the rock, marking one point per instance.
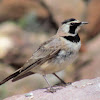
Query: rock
point(22, 49)
point(14, 9)
point(27, 84)
point(10, 35)
point(7, 30)
point(30, 14)
point(88, 65)
point(5, 45)
point(92, 57)
point(93, 17)
point(88, 89)
point(64, 9)
point(5, 70)
point(14, 48)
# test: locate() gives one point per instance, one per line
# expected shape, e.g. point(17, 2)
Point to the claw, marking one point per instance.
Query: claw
point(52, 90)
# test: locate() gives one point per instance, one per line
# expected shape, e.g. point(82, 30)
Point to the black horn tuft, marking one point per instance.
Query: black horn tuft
point(68, 20)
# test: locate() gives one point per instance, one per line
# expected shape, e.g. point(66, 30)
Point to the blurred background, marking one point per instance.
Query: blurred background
point(25, 24)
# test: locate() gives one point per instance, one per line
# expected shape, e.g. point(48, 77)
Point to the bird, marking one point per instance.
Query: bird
point(53, 55)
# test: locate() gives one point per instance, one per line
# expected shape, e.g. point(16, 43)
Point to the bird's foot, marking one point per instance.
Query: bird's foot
point(68, 83)
point(63, 84)
point(51, 89)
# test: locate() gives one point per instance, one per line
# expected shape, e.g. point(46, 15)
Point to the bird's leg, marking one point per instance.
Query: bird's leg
point(59, 78)
point(69, 83)
point(51, 89)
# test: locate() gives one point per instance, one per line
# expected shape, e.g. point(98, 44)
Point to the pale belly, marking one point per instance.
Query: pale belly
point(63, 59)
point(56, 64)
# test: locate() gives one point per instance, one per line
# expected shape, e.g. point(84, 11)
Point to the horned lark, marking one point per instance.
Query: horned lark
point(53, 55)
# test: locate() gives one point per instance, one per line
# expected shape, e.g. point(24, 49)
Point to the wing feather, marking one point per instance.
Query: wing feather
point(42, 54)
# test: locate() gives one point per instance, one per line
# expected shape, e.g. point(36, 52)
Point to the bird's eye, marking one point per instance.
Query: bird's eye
point(72, 24)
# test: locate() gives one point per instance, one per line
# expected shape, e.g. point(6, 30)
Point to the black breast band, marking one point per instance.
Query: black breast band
point(75, 38)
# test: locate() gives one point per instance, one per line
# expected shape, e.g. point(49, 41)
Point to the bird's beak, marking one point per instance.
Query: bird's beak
point(84, 22)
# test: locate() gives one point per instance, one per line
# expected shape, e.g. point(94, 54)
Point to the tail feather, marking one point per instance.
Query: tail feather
point(22, 76)
point(10, 77)
point(16, 76)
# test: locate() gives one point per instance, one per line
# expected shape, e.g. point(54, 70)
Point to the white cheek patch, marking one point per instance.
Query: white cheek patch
point(66, 28)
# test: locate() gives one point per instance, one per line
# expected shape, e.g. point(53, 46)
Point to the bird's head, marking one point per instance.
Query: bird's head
point(71, 26)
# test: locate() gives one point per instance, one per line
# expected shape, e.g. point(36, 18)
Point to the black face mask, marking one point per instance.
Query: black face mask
point(73, 27)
